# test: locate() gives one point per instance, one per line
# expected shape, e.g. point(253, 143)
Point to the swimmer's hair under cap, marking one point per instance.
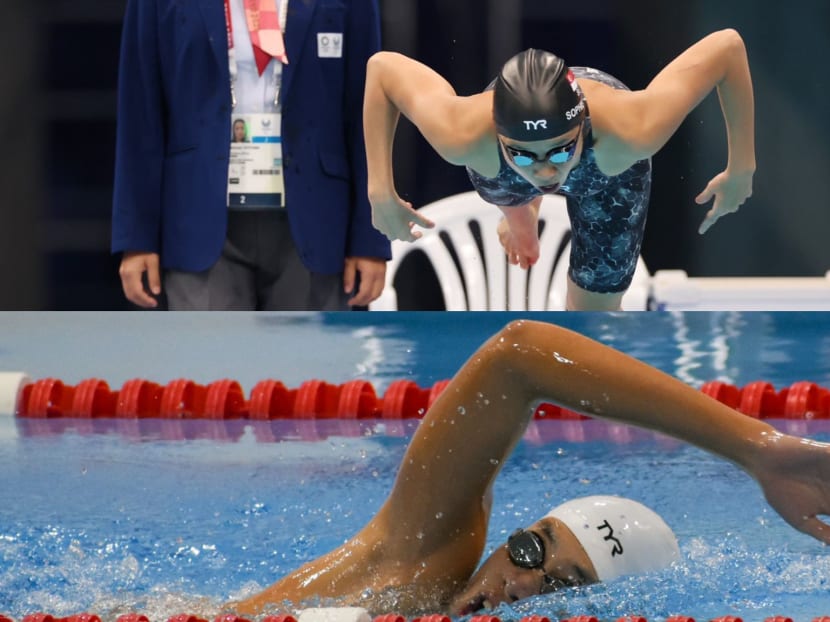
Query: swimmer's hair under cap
point(621, 536)
point(536, 97)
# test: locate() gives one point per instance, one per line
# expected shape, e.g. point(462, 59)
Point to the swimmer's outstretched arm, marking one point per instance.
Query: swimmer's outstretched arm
point(647, 119)
point(533, 362)
point(475, 423)
point(427, 538)
point(395, 85)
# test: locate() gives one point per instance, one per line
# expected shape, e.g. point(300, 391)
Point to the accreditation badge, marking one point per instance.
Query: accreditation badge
point(255, 172)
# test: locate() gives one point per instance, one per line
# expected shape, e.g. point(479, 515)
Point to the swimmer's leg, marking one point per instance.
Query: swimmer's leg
point(579, 299)
point(607, 232)
point(519, 233)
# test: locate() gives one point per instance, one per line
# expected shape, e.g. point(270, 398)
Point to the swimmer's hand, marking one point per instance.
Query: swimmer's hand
point(518, 233)
point(396, 219)
point(794, 474)
point(729, 190)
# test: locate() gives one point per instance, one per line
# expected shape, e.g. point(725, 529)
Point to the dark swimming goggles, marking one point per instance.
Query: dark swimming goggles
point(557, 155)
point(526, 549)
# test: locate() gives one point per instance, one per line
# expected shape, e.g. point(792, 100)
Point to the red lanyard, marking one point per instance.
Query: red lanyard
point(232, 69)
point(229, 24)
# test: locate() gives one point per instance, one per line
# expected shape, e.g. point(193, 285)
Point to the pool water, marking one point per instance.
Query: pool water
point(110, 523)
point(163, 517)
point(381, 347)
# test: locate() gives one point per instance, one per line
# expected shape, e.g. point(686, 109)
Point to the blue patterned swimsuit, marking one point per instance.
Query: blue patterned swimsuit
point(608, 214)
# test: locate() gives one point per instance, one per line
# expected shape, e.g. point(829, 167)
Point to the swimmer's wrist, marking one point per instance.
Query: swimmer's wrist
point(381, 192)
point(377, 198)
point(741, 156)
point(759, 447)
point(745, 168)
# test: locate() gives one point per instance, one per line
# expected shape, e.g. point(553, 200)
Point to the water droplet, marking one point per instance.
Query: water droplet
point(494, 461)
point(439, 515)
point(461, 410)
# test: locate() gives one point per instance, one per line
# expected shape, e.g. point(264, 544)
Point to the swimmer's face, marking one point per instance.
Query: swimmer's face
point(500, 578)
point(540, 161)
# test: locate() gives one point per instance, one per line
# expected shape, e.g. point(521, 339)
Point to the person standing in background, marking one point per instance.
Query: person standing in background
point(281, 221)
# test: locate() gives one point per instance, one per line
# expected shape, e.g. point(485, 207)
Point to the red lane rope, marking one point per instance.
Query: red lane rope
point(356, 399)
point(389, 617)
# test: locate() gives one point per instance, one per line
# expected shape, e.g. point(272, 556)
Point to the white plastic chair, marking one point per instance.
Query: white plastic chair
point(483, 280)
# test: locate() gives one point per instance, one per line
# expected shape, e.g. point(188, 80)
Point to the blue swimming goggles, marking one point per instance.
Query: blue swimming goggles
point(557, 155)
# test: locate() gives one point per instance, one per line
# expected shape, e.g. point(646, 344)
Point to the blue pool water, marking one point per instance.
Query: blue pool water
point(166, 517)
point(734, 347)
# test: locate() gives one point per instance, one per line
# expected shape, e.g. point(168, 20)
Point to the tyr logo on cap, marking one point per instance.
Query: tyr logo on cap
point(536, 125)
point(618, 548)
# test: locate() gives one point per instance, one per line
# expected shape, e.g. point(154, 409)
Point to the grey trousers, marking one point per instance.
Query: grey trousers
point(259, 270)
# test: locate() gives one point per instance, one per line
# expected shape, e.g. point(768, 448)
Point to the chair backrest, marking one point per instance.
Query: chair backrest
point(472, 268)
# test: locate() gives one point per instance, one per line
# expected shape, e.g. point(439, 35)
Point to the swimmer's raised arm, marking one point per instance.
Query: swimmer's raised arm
point(645, 120)
point(473, 426)
point(428, 536)
point(395, 85)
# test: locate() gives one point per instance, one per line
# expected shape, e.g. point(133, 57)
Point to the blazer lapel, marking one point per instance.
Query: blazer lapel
point(297, 24)
point(213, 12)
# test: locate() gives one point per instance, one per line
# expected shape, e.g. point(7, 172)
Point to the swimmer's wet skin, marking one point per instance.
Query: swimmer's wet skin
point(460, 447)
point(582, 541)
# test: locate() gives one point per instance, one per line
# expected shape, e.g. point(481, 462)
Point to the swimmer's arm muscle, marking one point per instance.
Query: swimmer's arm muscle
point(474, 424)
point(718, 61)
point(549, 363)
point(396, 84)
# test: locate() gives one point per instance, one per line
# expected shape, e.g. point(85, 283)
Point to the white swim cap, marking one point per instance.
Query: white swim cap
point(620, 536)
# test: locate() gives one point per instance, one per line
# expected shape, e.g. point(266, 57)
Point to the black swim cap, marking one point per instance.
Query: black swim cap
point(536, 97)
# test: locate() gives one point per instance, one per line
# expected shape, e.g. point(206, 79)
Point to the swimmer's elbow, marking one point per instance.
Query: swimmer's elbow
point(732, 39)
point(379, 59)
point(378, 65)
point(520, 332)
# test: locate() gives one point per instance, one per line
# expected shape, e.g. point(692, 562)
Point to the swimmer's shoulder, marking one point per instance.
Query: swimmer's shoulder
point(614, 119)
point(475, 144)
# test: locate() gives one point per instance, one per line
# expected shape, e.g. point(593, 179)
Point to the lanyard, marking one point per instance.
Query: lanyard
point(232, 66)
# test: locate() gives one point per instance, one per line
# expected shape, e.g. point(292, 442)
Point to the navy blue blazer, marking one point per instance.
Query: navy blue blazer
point(173, 133)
